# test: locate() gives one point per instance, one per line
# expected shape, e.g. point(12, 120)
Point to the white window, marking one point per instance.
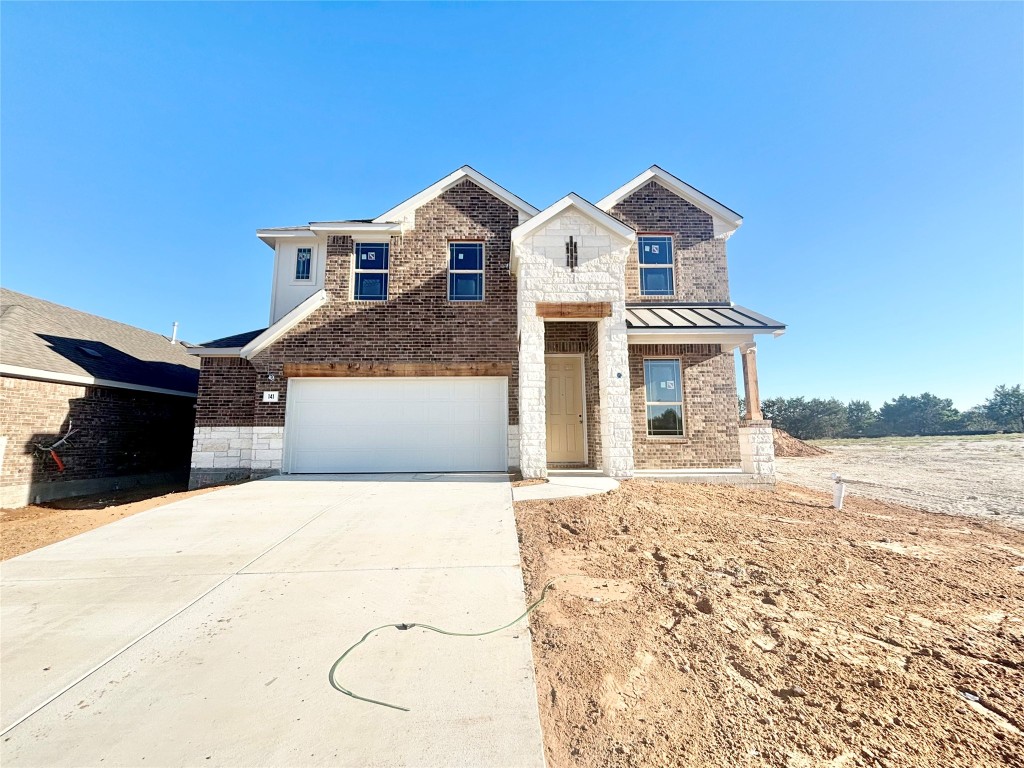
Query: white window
point(656, 268)
point(371, 272)
point(663, 382)
point(465, 271)
point(303, 263)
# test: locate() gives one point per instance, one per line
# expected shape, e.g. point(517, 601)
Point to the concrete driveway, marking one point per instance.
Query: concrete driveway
point(201, 632)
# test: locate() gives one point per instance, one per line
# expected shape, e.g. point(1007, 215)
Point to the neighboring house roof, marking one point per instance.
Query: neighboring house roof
point(677, 317)
point(725, 219)
point(465, 172)
point(43, 340)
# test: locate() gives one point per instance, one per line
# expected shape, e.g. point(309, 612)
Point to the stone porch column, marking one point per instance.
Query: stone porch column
point(533, 447)
point(757, 443)
point(616, 413)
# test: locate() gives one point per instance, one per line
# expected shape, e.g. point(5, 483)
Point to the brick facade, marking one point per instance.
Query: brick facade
point(701, 272)
point(417, 323)
point(227, 392)
point(120, 433)
point(710, 412)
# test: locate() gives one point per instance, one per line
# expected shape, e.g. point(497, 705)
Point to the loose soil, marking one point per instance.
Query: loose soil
point(789, 446)
point(978, 476)
point(718, 626)
point(27, 528)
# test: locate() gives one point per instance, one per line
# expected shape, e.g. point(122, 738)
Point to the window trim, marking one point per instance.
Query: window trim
point(482, 271)
point(681, 402)
point(295, 276)
point(356, 271)
point(291, 250)
point(671, 266)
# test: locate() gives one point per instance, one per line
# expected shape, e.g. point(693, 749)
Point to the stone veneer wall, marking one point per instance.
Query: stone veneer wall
point(710, 411)
point(581, 338)
point(600, 277)
point(701, 272)
point(124, 438)
point(757, 449)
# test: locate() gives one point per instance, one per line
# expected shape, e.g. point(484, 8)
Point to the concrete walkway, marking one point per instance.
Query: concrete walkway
point(201, 632)
point(563, 483)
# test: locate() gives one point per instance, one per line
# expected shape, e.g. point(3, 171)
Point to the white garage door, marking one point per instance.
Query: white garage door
point(396, 425)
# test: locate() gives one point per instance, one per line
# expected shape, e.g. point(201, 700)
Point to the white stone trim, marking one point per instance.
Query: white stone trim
point(757, 448)
point(256, 448)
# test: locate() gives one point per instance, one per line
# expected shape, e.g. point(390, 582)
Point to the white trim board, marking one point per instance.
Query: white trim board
point(586, 208)
point(70, 378)
point(285, 324)
point(465, 172)
point(726, 220)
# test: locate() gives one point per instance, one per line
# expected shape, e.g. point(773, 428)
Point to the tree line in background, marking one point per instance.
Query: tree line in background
point(906, 415)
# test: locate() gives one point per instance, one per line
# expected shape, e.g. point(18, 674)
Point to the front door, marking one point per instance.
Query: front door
point(565, 410)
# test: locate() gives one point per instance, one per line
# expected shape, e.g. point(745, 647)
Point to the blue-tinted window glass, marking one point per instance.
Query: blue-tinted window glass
point(663, 381)
point(656, 281)
point(466, 255)
point(655, 250)
point(371, 286)
point(465, 286)
point(303, 260)
point(372, 255)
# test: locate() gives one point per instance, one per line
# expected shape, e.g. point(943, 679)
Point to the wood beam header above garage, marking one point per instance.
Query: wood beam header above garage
point(392, 370)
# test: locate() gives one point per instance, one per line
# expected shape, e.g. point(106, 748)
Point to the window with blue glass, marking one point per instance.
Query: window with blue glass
point(371, 273)
point(303, 263)
point(656, 272)
point(664, 394)
point(465, 271)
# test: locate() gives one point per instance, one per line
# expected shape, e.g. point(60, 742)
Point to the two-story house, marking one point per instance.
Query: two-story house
point(465, 330)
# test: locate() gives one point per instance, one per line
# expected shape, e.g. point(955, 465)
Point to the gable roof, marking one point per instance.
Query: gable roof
point(465, 172)
point(588, 209)
point(726, 220)
point(43, 340)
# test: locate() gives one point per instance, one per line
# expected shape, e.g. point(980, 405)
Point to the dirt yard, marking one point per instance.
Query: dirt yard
point(979, 476)
point(35, 526)
point(719, 626)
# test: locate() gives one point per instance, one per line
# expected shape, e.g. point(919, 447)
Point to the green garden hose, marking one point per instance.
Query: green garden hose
point(347, 692)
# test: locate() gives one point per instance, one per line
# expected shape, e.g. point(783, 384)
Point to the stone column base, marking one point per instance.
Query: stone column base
point(757, 448)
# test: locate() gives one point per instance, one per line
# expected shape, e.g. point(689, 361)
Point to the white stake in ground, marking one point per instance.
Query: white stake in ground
point(840, 492)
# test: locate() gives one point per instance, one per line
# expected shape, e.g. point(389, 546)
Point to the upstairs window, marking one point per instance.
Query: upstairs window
point(656, 268)
point(664, 393)
point(303, 263)
point(465, 271)
point(371, 272)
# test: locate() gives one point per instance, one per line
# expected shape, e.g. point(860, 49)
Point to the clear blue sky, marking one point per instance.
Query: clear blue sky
point(876, 152)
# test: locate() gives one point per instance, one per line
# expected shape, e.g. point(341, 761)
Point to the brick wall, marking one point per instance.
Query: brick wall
point(120, 431)
point(710, 412)
point(581, 338)
point(227, 392)
point(417, 323)
point(701, 272)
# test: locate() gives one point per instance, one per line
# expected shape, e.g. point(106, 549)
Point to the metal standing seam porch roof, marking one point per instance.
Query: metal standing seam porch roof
point(711, 317)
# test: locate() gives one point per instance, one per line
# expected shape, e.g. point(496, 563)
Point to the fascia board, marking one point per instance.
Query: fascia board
point(465, 172)
point(730, 220)
point(72, 378)
point(282, 326)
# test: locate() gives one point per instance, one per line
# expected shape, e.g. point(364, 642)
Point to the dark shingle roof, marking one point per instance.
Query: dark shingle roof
point(229, 342)
point(44, 336)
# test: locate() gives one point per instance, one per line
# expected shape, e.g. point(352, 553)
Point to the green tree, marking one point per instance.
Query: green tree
point(919, 415)
point(860, 418)
point(806, 419)
point(1006, 407)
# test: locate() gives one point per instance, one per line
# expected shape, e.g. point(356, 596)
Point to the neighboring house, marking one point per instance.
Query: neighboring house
point(466, 330)
point(127, 394)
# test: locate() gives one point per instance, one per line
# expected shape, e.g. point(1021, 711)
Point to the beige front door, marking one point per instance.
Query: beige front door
point(565, 410)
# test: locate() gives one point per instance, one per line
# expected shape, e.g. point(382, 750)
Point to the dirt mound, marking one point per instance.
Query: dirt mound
point(789, 447)
point(719, 626)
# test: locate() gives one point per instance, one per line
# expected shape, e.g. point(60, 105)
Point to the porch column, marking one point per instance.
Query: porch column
point(616, 406)
point(750, 391)
point(533, 446)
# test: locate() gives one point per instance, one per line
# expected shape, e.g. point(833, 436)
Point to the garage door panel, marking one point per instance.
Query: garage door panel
point(396, 425)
